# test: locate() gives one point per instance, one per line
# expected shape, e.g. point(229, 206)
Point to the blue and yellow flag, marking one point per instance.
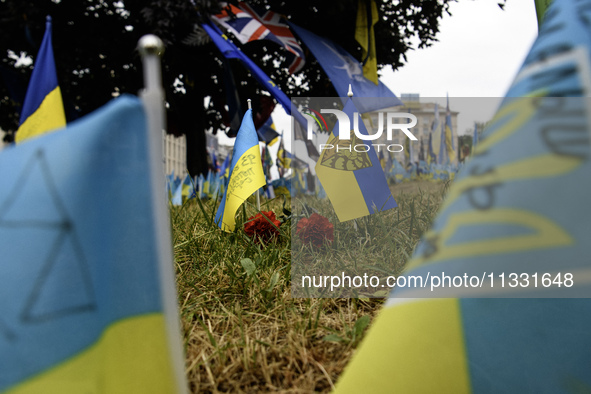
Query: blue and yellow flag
point(225, 168)
point(351, 176)
point(246, 174)
point(449, 139)
point(87, 288)
point(43, 109)
point(517, 209)
point(184, 191)
point(367, 17)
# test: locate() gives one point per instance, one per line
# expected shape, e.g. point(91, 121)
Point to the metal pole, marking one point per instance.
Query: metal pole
point(151, 49)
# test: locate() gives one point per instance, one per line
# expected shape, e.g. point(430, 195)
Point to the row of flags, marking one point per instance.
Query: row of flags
point(249, 23)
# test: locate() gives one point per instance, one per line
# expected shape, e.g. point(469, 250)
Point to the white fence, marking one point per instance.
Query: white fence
point(175, 154)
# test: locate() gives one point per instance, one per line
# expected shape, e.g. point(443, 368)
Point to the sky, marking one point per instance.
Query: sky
point(480, 50)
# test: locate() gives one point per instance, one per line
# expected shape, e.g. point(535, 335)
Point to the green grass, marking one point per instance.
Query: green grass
point(243, 331)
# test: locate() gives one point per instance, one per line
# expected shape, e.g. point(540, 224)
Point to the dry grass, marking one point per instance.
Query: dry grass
point(244, 332)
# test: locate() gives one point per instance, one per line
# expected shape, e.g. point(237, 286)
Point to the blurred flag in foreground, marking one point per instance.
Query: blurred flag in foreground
point(516, 209)
point(541, 7)
point(87, 288)
point(246, 174)
point(43, 110)
point(354, 181)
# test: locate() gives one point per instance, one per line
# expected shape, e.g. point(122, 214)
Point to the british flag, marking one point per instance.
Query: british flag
point(248, 24)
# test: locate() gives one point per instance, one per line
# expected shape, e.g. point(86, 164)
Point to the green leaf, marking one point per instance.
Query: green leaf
point(273, 281)
point(333, 338)
point(248, 266)
point(360, 325)
point(381, 294)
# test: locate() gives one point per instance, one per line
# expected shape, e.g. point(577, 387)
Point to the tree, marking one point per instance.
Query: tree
point(94, 45)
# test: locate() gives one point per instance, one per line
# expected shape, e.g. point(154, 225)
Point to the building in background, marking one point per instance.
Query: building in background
point(424, 111)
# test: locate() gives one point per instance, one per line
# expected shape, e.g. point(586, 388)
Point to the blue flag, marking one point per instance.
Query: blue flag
point(517, 214)
point(88, 302)
point(343, 69)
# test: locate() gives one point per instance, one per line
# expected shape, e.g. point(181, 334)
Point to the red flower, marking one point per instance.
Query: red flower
point(315, 230)
point(258, 227)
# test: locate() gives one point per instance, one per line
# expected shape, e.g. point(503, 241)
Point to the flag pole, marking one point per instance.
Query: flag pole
point(151, 49)
point(258, 193)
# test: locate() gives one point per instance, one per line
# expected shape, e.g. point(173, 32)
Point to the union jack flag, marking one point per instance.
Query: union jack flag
point(248, 24)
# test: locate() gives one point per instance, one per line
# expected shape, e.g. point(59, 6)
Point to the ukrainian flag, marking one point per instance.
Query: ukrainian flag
point(449, 140)
point(246, 174)
point(185, 190)
point(43, 109)
point(367, 17)
point(283, 157)
point(87, 289)
point(225, 169)
point(519, 206)
point(353, 180)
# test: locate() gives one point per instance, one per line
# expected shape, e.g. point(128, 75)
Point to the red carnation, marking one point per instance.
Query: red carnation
point(258, 227)
point(315, 230)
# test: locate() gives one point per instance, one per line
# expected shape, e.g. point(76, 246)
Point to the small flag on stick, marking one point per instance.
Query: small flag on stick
point(246, 174)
